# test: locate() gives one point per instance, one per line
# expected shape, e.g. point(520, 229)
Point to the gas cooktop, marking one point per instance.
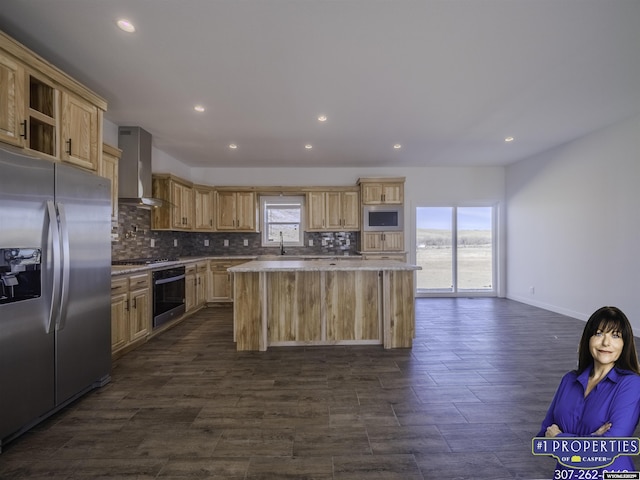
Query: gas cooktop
point(143, 261)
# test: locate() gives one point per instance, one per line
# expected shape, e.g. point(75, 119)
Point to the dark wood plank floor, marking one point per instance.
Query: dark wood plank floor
point(463, 403)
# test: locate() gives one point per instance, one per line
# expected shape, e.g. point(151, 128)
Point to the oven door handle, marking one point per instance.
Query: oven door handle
point(167, 280)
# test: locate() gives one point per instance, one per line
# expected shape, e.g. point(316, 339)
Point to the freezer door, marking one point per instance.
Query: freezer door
point(26, 342)
point(83, 328)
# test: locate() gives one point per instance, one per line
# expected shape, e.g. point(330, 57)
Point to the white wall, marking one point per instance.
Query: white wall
point(573, 225)
point(110, 133)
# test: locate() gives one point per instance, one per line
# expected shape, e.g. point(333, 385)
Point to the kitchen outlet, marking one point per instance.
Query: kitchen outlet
point(226, 243)
point(153, 242)
point(246, 242)
point(311, 242)
point(206, 243)
point(324, 242)
point(175, 242)
point(532, 290)
point(347, 242)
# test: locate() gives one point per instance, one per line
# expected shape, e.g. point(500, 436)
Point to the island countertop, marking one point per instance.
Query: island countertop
point(320, 265)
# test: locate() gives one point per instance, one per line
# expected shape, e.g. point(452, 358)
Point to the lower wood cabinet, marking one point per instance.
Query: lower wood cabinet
point(202, 280)
point(196, 285)
point(130, 310)
point(220, 287)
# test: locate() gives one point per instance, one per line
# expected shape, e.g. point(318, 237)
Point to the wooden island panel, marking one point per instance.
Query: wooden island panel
point(247, 315)
point(352, 305)
point(294, 307)
point(347, 302)
point(399, 313)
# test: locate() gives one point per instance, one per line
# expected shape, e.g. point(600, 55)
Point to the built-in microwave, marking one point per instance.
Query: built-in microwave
point(382, 218)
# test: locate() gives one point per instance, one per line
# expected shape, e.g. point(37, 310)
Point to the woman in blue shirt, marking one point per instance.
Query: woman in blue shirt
point(602, 396)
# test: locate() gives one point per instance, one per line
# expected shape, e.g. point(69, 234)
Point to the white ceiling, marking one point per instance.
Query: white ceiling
point(447, 79)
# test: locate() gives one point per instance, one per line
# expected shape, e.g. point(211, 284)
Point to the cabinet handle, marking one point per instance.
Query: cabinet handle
point(69, 150)
point(126, 305)
point(24, 129)
point(135, 304)
point(211, 222)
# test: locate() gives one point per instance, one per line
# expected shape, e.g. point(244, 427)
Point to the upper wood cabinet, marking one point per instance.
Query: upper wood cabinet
point(182, 196)
point(236, 211)
point(81, 125)
point(382, 241)
point(333, 210)
point(44, 110)
point(109, 169)
point(12, 123)
point(41, 121)
point(382, 191)
point(177, 211)
point(203, 208)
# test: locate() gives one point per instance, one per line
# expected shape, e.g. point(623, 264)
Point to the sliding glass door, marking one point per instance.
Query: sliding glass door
point(455, 248)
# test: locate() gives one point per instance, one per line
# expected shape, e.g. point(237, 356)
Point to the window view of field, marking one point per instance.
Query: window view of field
point(434, 249)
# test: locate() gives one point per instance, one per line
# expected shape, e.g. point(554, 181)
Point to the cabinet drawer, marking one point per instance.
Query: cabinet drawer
point(139, 281)
point(119, 286)
point(201, 267)
point(190, 269)
point(217, 266)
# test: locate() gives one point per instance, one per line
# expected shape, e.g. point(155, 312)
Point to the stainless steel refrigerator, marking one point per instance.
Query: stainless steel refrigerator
point(55, 260)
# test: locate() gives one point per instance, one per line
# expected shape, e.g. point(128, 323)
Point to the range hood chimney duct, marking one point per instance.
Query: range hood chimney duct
point(134, 168)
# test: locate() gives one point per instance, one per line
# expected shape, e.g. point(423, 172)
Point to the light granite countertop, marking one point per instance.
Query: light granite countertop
point(312, 265)
point(128, 269)
point(274, 259)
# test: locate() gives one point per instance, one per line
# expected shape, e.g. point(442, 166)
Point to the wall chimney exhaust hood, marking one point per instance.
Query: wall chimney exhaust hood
point(134, 168)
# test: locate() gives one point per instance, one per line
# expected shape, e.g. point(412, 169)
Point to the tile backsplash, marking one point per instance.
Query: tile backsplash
point(135, 239)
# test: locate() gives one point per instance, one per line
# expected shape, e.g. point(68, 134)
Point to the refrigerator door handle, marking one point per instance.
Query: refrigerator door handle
point(66, 266)
point(54, 238)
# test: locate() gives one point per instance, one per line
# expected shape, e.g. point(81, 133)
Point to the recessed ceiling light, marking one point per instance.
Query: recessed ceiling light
point(199, 108)
point(322, 118)
point(308, 146)
point(509, 139)
point(233, 146)
point(397, 146)
point(126, 25)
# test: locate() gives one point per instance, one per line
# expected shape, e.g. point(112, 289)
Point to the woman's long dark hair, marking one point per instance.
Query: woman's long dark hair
point(609, 319)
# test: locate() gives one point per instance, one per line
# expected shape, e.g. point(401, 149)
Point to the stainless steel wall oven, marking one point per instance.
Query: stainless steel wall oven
point(168, 294)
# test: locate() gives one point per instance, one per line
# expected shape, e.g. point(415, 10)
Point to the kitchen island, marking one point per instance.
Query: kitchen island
point(323, 302)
